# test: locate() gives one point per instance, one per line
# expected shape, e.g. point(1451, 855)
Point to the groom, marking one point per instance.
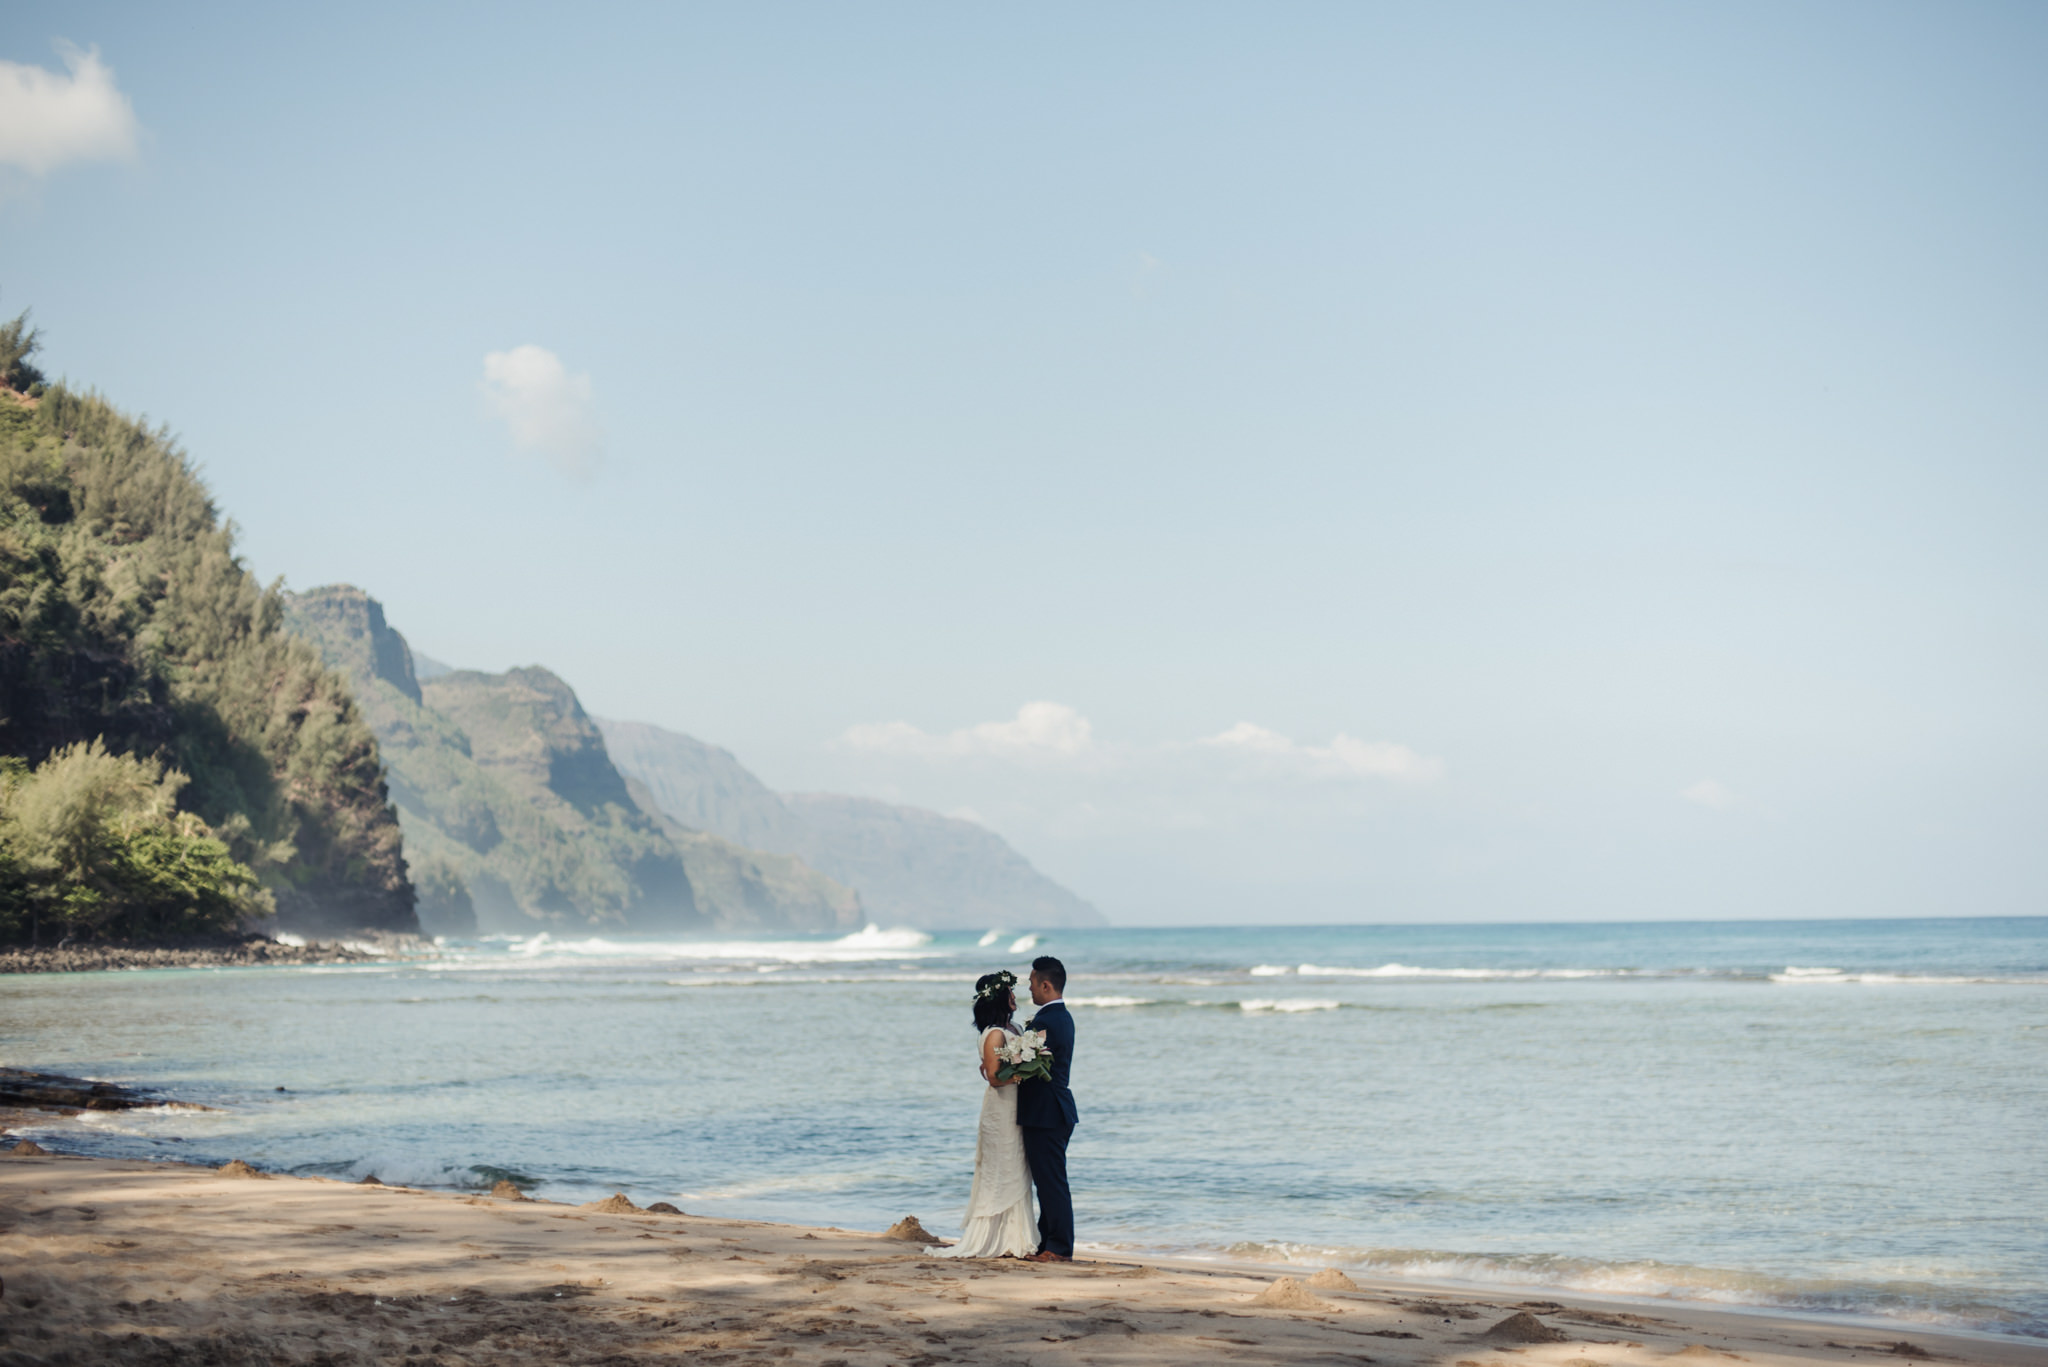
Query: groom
point(1046, 1114)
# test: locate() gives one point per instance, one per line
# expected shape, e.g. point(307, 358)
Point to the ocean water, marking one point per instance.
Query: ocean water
point(1834, 1117)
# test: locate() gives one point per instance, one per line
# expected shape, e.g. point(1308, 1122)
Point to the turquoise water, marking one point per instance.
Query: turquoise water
point(1839, 1117)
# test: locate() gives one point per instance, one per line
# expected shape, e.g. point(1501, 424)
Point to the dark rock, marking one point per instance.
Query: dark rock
point(218, 951)
point(1523, 1327)
point(662, 1208)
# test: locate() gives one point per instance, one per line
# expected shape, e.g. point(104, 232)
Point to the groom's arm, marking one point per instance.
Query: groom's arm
point(1060, 1031)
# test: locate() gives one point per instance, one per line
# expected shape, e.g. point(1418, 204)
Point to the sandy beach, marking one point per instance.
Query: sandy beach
point(125, 1262)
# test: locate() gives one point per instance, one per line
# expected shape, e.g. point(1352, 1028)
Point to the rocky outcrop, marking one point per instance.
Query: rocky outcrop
point(244, 951)
point(349, 626)
point(528, 724)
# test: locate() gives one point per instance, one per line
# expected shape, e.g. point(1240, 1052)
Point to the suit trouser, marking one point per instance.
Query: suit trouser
point(1045, 1149)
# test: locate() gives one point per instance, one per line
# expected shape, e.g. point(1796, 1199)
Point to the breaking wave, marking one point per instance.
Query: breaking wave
point(1921, 1302)
point(1288, 1004)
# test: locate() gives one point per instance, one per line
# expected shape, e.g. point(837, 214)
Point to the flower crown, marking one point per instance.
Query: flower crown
point(1005, 980)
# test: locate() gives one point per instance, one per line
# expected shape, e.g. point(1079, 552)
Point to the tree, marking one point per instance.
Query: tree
point(18, 342)
point(92, 843)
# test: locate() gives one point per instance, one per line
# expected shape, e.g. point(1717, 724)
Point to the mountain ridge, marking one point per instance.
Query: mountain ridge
point(515, 815)
point(911, 866)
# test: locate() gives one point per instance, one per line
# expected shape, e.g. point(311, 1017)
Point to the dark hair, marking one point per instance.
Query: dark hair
point(1052, 970)
point(992, 1000)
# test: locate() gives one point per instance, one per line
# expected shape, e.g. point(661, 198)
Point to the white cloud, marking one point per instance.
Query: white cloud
point(547, 409)
point(1708, 793)
point(1040, 730)
point(48, 118)
point(1344, 757)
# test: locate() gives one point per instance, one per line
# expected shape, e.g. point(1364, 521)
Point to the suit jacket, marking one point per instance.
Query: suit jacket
point(1050, 1105)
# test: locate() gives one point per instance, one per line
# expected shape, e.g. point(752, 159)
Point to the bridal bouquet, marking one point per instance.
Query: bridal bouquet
point(1024, 1058)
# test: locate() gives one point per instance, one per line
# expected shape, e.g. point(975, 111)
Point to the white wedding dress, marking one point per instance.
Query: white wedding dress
point(1002, 1219)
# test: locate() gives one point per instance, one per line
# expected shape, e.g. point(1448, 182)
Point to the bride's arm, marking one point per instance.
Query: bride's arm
point(989, 1061)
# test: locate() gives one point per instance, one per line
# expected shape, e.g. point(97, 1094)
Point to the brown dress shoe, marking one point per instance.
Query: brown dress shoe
point(1046, 1255)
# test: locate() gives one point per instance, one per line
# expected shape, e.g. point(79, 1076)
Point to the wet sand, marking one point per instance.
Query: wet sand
point(124, 1262)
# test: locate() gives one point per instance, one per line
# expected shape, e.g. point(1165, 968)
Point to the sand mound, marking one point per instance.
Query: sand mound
point(662, 1208)
point(910, 1232)
point(1522, 1327)
point(369, 1180)
point(28, 1148)
point(235, 1167)
point(505, 1191)
point(1289, 1294)
point(1330, 1279)
point(614, 1204)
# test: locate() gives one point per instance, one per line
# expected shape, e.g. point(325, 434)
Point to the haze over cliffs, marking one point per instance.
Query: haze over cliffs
point(516, 820)
point(522, 812)
point(912, 867)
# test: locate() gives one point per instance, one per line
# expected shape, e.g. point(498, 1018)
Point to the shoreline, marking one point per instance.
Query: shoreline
point(242, 951)
point(1816, 1320)
point(121, 1261)
point(35, 1099)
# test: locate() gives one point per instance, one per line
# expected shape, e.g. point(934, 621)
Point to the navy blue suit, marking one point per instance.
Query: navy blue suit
point(1047, 1116)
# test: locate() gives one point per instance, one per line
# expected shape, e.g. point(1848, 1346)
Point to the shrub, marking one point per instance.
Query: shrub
point(92, 844)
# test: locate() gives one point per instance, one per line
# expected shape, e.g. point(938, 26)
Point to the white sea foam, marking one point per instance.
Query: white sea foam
point(874, 937)
point(988, 938)
point(1396, 970)
point(773, 1186)
point(1831, 977)
point(1878, 1297)
point(1024, 944)
point(737, 977)
point(413, 1170)
point(1109, 1001)
point(866, 945)
point(1269, 970)
point(1288, 1004)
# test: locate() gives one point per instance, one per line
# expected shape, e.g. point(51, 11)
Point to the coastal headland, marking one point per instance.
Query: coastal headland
point(114, 1262)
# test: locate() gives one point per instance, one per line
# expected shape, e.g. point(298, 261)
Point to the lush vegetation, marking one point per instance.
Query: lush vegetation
point(93, 843)
point(131, 636)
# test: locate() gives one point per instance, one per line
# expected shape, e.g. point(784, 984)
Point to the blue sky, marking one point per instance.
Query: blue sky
point(1272, 463)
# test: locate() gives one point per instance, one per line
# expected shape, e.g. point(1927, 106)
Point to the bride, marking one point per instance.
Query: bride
point(1000, 1220)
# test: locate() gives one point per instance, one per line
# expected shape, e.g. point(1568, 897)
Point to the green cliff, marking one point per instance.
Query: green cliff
point(517, 819)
